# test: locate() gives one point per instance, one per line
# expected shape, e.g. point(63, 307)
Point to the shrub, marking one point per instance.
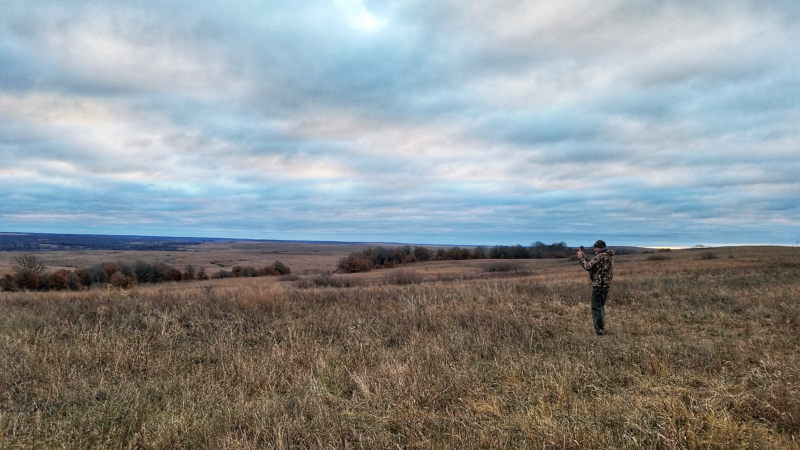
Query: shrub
point(354, 264)
point(189, 272)
point(173, 274)
point(84, 276)
point(26, 280)
point(7, 283)
point(58, 280)
point(98, 274)
point(222, 274)
point(708, 255)
point(202, 275)
point(145, 272)
point(282, 268)
point(237, 271)
point(122, 281)
point(110, 269)
point(267, 271)
point(249, 271)
point(74, 282)
point(127, 269)
point(162, 273)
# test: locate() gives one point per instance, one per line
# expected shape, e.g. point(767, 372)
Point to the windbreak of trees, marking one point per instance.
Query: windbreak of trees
point(278, 268)
point(382, 257)
point(31, 275)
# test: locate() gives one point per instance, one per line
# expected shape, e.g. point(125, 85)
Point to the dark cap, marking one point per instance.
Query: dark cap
point(600, 244)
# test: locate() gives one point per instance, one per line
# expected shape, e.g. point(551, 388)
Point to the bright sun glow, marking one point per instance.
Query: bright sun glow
point(359, 17)
point(369, 21)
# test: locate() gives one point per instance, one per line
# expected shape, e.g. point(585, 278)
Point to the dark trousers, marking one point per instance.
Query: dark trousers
point(599, 295)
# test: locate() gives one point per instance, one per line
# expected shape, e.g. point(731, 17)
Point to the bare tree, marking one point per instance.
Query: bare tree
point(30, 262)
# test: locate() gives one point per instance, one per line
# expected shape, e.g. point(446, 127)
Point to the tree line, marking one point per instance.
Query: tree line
point(30, 274)
point(383, 257)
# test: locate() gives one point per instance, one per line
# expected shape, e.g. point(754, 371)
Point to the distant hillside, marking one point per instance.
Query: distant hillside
point(64, 242)
point(34, 242)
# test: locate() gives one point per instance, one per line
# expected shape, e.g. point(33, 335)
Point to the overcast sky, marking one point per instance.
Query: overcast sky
point(416, 121)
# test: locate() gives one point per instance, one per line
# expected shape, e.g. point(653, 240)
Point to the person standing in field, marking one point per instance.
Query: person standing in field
point(600, 275)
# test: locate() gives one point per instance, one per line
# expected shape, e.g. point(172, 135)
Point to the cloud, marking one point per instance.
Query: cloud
point(435, 121)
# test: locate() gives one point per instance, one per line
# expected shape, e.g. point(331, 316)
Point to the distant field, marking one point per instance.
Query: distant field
point(702, 353)
point(301, 257)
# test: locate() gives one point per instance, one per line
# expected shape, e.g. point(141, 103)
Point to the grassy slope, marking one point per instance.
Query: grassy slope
point(702, 353)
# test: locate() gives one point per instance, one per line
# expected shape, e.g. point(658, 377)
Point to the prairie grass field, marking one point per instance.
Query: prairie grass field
point(702, 352)
point(306, 257)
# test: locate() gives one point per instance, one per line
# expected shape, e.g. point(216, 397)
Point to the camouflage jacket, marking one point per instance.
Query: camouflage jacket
point(600, 268)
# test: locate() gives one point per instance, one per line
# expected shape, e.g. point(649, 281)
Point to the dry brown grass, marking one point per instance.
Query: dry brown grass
point(301, 257)
point(702, 354)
